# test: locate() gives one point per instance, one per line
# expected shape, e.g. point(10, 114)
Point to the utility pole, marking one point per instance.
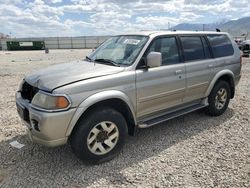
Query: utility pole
point(203, 27)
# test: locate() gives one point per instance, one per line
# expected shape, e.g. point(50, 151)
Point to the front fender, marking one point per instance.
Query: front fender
point(95, 98)
point(216, 78)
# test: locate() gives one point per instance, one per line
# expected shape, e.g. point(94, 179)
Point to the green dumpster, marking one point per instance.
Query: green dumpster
point(25, 45)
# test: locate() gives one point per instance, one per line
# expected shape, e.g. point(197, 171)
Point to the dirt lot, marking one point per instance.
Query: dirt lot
point(190, 151)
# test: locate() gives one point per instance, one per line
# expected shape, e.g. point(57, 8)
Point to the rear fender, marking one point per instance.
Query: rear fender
point(216, 78)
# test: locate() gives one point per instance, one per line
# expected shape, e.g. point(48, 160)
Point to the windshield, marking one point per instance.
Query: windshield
point(120, 50)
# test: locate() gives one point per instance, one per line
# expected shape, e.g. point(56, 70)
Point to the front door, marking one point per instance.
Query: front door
point(161, 87)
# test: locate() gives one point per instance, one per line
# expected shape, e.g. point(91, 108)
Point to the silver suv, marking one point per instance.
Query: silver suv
point(129, 82)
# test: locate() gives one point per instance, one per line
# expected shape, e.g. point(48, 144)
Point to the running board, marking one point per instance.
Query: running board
point(168, 116)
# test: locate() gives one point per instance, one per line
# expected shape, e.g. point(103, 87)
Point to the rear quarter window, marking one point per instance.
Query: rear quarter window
point(221, 45)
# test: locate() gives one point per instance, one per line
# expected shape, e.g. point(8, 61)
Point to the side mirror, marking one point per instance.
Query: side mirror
point(154, 59)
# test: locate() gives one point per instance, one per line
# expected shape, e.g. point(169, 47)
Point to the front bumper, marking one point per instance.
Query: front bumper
point(45, 128)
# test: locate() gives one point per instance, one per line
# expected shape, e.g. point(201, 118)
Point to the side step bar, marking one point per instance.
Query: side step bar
point(168, 116)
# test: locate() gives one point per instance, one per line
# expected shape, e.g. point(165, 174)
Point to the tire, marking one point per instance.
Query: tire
point(88, 139)
point(219, 99)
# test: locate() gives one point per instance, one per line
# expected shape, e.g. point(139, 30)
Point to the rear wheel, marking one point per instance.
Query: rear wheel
point(99, 136)
point(219, 99)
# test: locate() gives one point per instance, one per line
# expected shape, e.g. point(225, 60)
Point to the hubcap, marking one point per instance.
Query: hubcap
point(221, 98)
point(103, 137)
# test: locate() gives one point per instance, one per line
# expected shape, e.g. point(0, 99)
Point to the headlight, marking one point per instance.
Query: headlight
point(50, 102)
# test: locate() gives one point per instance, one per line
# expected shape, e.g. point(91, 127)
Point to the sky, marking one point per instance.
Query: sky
point(42, 18)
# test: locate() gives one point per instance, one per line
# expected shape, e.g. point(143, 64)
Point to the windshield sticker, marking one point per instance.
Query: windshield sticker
point(131, 41)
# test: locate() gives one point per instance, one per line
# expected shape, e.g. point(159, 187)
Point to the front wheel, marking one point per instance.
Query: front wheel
point(219, 99)
point(99, 136)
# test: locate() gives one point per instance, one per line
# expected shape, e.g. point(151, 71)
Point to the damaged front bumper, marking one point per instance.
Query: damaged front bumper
point(45, 128)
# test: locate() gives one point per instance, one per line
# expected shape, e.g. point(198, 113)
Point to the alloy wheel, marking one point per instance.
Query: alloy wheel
point(103, 138)
point(221, 98)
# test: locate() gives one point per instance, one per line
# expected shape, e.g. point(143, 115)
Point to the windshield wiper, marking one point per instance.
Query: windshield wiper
point(88, 59)
point(107, 61)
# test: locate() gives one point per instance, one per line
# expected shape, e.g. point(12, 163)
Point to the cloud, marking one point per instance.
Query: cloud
point(55, 1)
point(13, 2)
point(36, 19)
point(202, 2)
point(106, 17)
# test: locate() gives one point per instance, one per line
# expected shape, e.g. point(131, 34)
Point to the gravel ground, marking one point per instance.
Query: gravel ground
point(194, 150)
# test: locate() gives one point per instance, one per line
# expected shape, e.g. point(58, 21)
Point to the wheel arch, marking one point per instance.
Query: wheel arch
point(115, 99)
point(225, 75)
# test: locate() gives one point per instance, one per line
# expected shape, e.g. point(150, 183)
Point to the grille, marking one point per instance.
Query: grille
point(28, 91)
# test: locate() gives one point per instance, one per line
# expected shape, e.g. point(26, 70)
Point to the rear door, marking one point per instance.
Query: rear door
point(199, 65)
point(161, 87)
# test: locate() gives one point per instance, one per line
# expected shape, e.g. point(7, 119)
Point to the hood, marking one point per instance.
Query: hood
point(63, 74)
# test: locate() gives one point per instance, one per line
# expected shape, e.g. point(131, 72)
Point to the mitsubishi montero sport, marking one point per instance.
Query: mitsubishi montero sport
point(130, 81)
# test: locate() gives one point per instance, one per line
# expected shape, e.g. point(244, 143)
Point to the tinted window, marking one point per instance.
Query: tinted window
point(221, 45)
point(193, 48)
point(168, 48)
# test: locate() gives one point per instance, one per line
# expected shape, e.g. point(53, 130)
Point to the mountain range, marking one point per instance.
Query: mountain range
point(237, 27)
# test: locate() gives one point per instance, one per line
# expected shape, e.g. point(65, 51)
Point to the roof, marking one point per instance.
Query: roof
point(168, 32)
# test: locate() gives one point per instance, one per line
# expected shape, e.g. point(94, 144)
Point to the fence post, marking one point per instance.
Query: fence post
point(85, 45)
point(71, 42)
point(58, 43)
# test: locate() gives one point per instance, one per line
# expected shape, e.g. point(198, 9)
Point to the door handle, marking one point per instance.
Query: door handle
point(178, 72)
point(210, 66)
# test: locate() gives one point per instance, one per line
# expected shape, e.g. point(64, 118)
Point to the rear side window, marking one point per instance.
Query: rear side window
point(221, 45)
point(193, 48)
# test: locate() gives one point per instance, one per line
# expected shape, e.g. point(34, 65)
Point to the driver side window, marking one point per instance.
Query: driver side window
point(168, 48)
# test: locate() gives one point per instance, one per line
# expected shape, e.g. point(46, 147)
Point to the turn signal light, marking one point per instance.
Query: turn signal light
point(61, 102)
